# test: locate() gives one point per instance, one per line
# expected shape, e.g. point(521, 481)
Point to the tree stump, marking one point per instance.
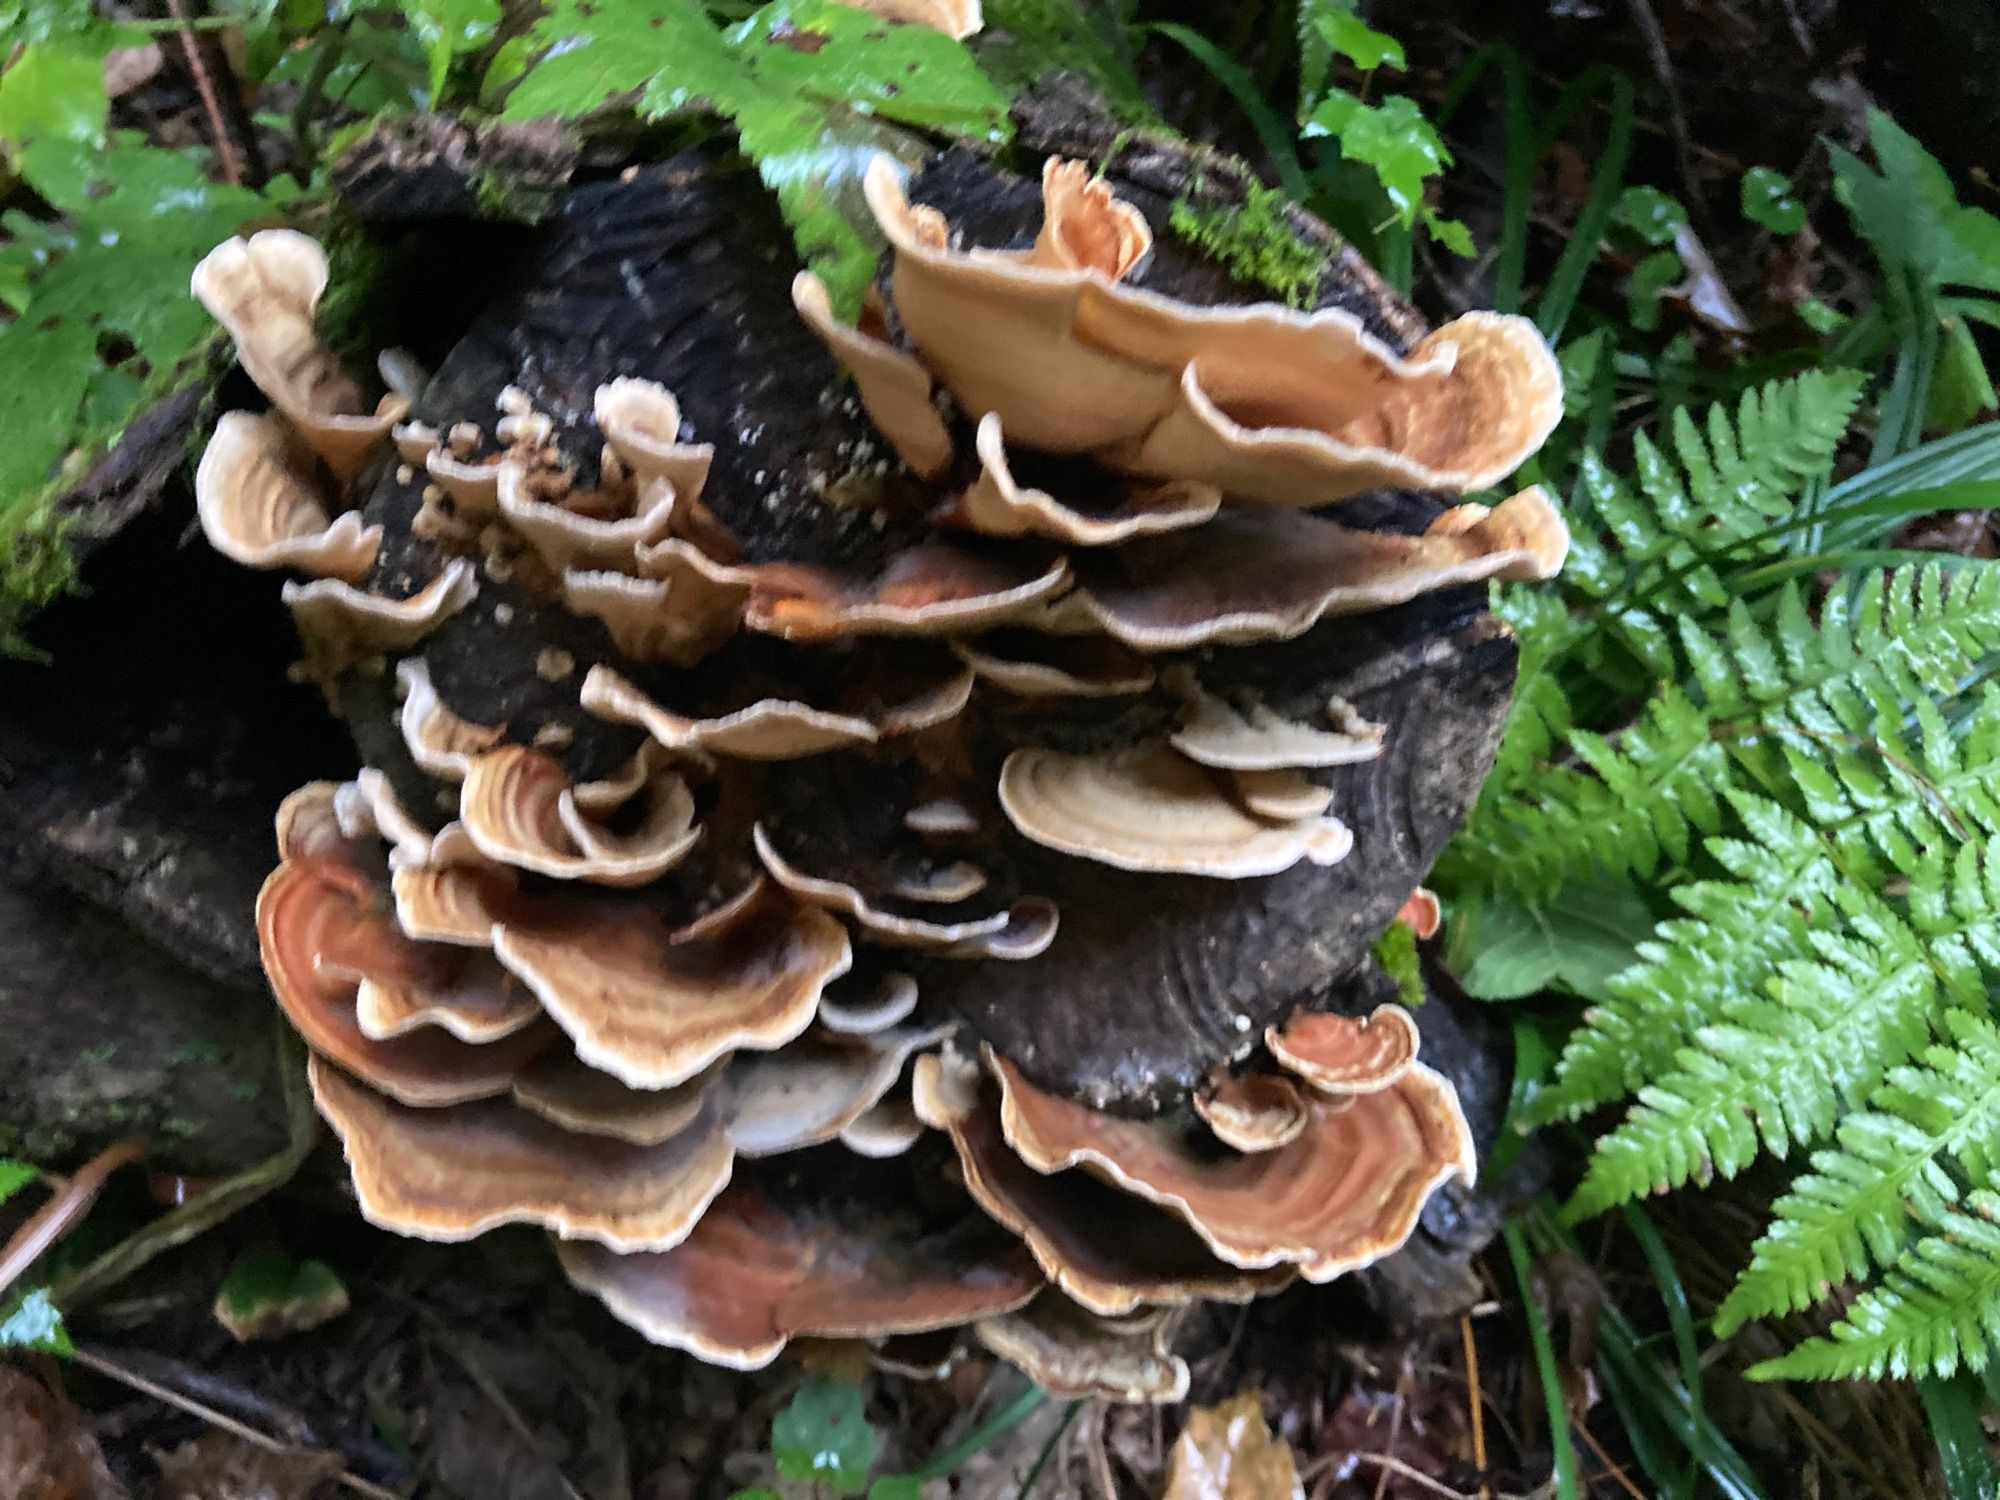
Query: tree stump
point(139, 770)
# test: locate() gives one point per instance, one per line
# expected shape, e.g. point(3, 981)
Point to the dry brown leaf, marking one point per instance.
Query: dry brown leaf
point(1226, 1452)
point(218, 1466)
point(46, 1448)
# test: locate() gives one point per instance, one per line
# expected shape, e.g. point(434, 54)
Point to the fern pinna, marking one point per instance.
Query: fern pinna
point(1811, 779)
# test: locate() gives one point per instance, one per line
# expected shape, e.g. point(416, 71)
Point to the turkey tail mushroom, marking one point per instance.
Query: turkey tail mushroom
point(899, 868)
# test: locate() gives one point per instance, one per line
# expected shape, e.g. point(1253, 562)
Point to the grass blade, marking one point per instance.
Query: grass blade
point(1606, 182)
point(1273, 133)
point(1953, 1407)
point(1545, 1366)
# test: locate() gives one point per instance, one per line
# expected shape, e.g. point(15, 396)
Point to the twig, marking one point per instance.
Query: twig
point(64, 1210)
point(1416, 1476)
point(1093, 1447)
point(1475, 1400)
point(211, 102)
point(1048, 1451)
point(110, 1369)
point(509, 1414)
point(205, 1210)
point(1395, 1430)
point(1663, 70)
point(1590, 1441)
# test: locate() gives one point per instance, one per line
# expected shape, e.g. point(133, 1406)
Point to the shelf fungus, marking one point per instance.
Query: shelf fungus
point(877, 832)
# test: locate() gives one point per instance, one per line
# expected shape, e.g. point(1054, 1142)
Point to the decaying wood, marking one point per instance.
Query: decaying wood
point(141, 770)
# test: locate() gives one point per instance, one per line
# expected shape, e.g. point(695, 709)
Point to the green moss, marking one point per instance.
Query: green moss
point(1255, 242)
point(1396, 952)
point(35, 566)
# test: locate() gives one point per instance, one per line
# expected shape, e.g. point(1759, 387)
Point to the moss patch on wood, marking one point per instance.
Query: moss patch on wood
point(1255, 242)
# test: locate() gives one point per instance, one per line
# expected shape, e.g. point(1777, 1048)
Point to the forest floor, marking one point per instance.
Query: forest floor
point(472, 1372)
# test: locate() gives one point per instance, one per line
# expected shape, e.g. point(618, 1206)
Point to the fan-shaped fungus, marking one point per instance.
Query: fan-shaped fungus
point(634, 628)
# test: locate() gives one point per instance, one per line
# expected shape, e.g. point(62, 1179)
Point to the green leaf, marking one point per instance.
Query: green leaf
point(35, 1325)
point(268, 1295)
point(1506, 948)
point(15, 1175)
point(1910, 213)
point(811, 86)
point(1961, 385)
point(664, 53)
point(1767, 199)
point(1392, 137)
point(1361, 44)
point(1650, 278)
point(1450, 233)
point(33, 21)
point(1027, 40)
point(448, 28)
point(52, 117)
point(1954, 1409)
point(1821, 317)
point(847, 56)
point(896, 1487)
point(144, 216)
point(823, 1435)
point(1649, 213)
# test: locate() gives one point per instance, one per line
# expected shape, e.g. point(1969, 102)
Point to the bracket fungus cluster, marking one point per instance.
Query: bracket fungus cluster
point(864, 825)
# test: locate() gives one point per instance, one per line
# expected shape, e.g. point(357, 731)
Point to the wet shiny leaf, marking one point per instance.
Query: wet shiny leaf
point(825, 1436)
point(1767, 199)
point(1227, 1452)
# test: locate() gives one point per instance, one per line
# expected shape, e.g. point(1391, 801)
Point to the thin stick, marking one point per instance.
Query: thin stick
point(1476, 1400)
point(64, 1210)
point(211, 102)
point(111, 1370)
point(1395, 1430)
point(1416, 1476)
point(1617, 1473)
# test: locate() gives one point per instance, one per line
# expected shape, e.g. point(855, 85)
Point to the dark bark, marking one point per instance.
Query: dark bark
point(142, 770)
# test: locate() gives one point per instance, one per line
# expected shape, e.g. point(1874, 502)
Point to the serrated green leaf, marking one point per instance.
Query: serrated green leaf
point(811, 86)
point(824, 1435)
point(1361, 44)
point(1393, 138)
point(665, 54)
point(847, 56)
point(1766, 197)
point(52, 117)
point(448, 28)
point(33, 21)
point(144, 216)
point(35, 1325)
point(1450, 233)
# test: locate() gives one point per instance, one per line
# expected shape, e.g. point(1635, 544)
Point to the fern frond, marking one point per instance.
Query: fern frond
point(1723, 483)
point(1777, 1072)
point(1816, 704)
point(1732, 940)
point(1853, 1210)
point(1937, 1309)
point(1653, 791)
